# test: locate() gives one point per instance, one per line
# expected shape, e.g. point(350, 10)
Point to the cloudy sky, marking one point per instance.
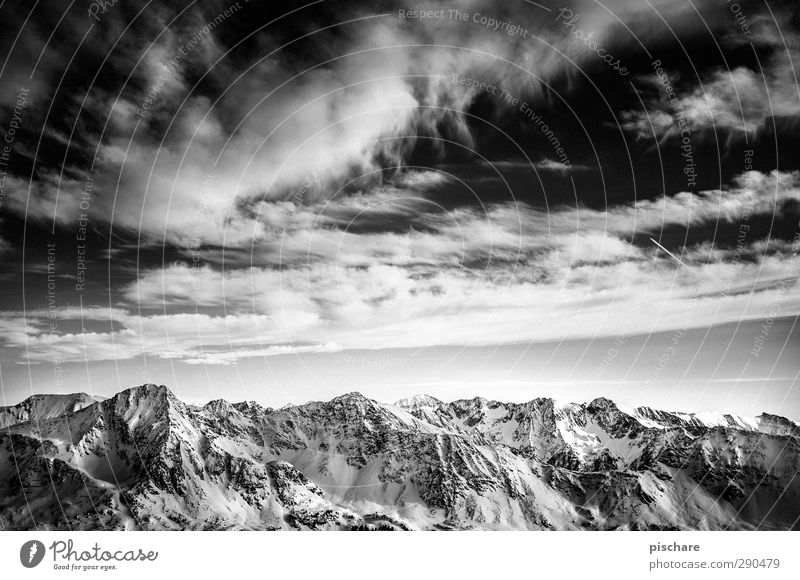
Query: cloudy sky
point(507, 199)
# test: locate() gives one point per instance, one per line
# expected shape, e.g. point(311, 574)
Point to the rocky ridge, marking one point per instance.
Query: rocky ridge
point(145, 460)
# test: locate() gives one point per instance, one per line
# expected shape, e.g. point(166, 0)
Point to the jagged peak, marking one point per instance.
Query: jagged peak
point(248, 407)
point(539, 401)
point(602, 403)
point(353, 395)
point(162, 398)
point(474, 401)
point(777, 425)
point(419, 402)
point(776, 419)
point(552, 403)
point(41, 407)
point(134, 396)
point(712, 419)
point(353, 399)
point(149, 389)
point(77, 397)
point(219, 406)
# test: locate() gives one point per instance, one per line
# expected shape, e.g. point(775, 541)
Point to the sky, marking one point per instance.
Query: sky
point(284, 202)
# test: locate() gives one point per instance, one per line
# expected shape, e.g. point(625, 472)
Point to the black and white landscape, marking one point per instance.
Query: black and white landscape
point(143, 460)
point(588, 201)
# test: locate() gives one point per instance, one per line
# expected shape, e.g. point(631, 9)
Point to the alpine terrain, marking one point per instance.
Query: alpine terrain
point(144, 460)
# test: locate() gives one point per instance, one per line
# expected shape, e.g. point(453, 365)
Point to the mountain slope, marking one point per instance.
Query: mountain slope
point(145, 460)
point(40, 407)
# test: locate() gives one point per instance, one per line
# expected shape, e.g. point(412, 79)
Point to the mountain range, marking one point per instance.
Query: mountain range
point(144, 460)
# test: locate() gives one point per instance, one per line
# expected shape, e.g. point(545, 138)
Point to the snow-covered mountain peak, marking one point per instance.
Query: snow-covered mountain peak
point(777, 425)
point(43, 407)
point(251, 408)
point(220, 407)
point(143, 459)
point(419, 402)
point(148, 390)
point(473, 402)
point(602, 403)
point(351, 397)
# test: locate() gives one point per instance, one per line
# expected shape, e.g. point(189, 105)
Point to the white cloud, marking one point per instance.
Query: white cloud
point(388, 307)
point(739, 100)
point(544, 164)
point(273, 132)
point(509, 274)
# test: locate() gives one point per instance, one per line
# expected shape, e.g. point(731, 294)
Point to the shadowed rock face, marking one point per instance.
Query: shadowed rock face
point(145, 460)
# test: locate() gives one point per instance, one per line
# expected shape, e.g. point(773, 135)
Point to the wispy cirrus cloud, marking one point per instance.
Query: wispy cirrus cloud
point(175, 151)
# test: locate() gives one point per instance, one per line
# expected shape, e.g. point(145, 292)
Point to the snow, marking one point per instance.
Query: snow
point(717, 419)
point(583, 443)
point(418, 402)
point(421, 463)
